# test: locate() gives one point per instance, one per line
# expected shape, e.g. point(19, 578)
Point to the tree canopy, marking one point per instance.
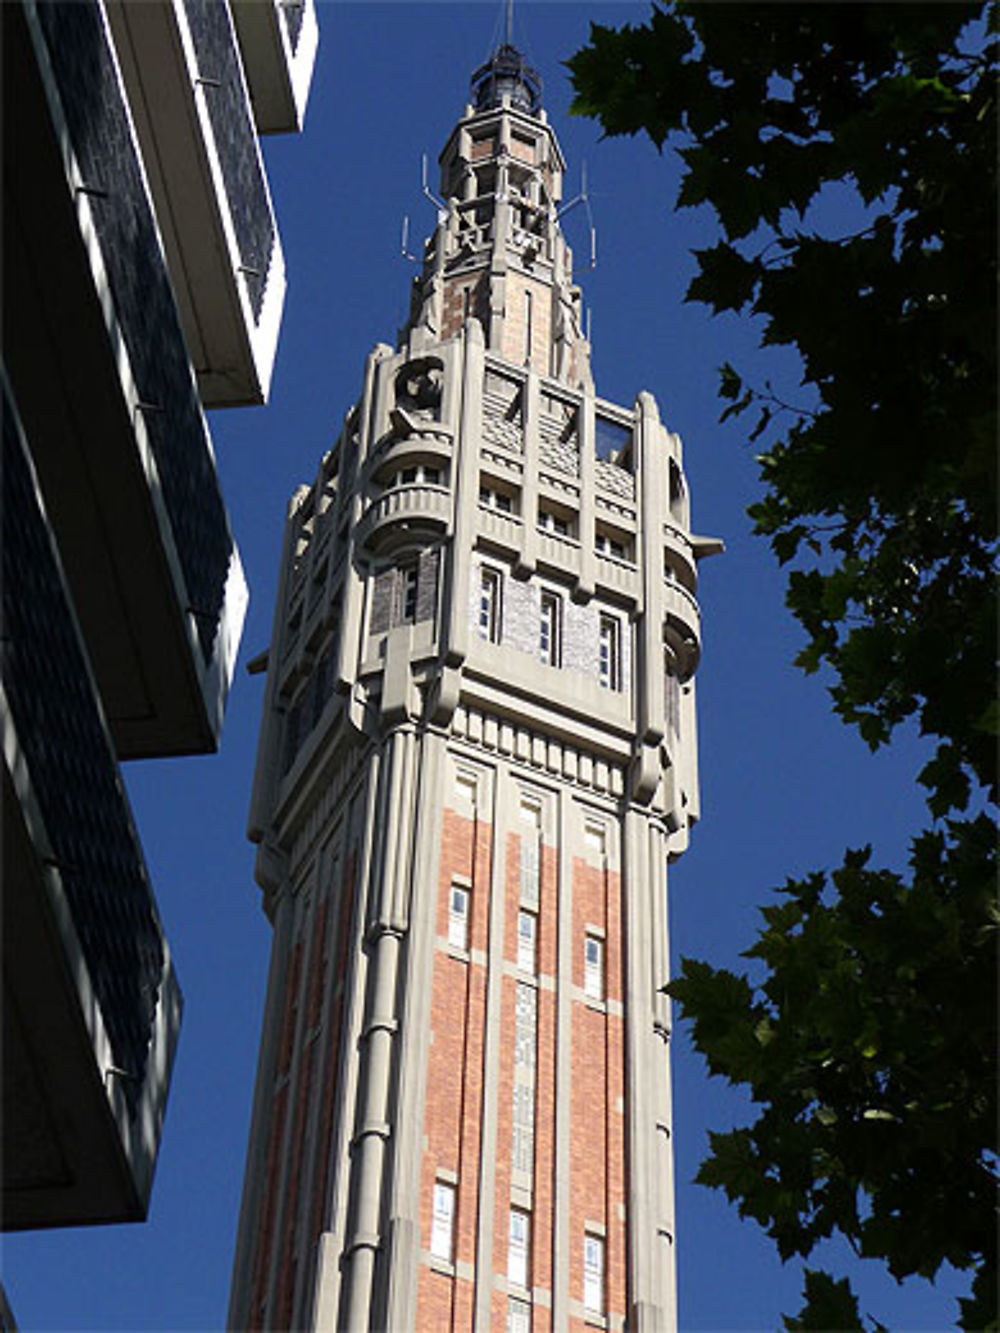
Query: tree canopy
point(870, 1040)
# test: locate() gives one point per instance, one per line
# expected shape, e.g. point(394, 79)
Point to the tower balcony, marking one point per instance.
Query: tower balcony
point(679, 556)
point(397, 517)
point(91, 1006)
point(101, 378)
point(278, 44)
point(181, 66)
point(682, 626)
point(618, 576)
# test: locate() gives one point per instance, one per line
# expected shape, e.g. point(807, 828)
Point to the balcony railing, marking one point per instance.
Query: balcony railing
point(90, 973)
point(124, 456)
point(184, 80)
point(396, 510)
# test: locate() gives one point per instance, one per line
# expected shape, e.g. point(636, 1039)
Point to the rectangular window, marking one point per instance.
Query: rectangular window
point(606, 545)
point(499, 500)
point(443, 1222)
point(593, 967)
point(517, 1247)
point(529, 869)
point(527, 327)
point(549, 630)
point(518, 1315)
point(593, 1274)
point(408, 591)
point(458, 917)
point(609, 654)
point(527, 938)
point(489, 605)
point(550, 522)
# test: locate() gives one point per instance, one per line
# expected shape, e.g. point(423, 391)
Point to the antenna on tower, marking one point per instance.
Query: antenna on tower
point(439, 204)
point(583, 198)
point(508, 22)
point(440, 207)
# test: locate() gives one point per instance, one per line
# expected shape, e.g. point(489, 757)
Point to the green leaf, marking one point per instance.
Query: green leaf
point(829, 1305)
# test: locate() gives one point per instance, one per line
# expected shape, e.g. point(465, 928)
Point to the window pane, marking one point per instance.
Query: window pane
point(593, 1274)
point(593, 968)
point(526, 933)
point(442, 1224)
point(458, 919)
point(517, 1249)
point(608, 654)
point(489, 605)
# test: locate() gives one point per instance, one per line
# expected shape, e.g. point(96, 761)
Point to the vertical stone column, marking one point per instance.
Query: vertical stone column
point(248, 1234)
point(651, 482)
point(350, 647)
point(588, 497)
point(647, 1312)
point(561, 1239)
point(529, 481)
point(502, 801)
point(403, 1231)
point(455, 623)
point(379, 1032)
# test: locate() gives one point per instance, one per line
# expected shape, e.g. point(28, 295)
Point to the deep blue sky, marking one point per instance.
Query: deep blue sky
point(785, 787)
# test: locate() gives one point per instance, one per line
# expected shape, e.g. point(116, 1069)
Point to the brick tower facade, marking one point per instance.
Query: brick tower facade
point(477, 757)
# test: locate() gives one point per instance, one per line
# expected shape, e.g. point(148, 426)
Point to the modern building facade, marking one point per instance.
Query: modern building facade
point(477, 757)
point(143, 283)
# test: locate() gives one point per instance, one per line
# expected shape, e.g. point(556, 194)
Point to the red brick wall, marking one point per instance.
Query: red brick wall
point(597, 1122)
point(453, 1110)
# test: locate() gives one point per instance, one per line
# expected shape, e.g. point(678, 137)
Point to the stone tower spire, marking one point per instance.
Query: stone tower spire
point(498, 252)
point(477, 756)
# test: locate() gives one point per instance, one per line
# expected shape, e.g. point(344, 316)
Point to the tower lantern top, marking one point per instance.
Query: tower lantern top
point(506, 73)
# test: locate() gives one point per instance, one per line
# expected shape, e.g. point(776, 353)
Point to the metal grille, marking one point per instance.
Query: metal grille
point(74, 776)
point(228, 109)
point(102, 141)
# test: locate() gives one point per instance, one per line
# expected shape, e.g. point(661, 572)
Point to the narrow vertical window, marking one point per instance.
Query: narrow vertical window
point(517, 1247)
point(527, 941)
point(443, 1221)
point(527, 327)
point(593, 1274)
point(609, 654)
point(408, 594)
point(529, 869)
point(458, 917)
point(548, 629)
point(489, 605)
point(593, 967)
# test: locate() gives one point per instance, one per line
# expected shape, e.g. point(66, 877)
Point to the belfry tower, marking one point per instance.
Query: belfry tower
point(477, 758)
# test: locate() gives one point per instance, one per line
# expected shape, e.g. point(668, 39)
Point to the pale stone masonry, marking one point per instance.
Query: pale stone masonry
point(477, 757)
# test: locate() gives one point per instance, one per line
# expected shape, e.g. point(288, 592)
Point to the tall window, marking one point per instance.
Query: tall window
point(609, 654)
point(529, 868)
point(527, 941)
point(443, 1221)
point(528, 303)
point(489, 605)
point(593, 967)
point(458, 917)
point(593, 1273)
point(548, 630)
point(408, 589)
point(517, 1247)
